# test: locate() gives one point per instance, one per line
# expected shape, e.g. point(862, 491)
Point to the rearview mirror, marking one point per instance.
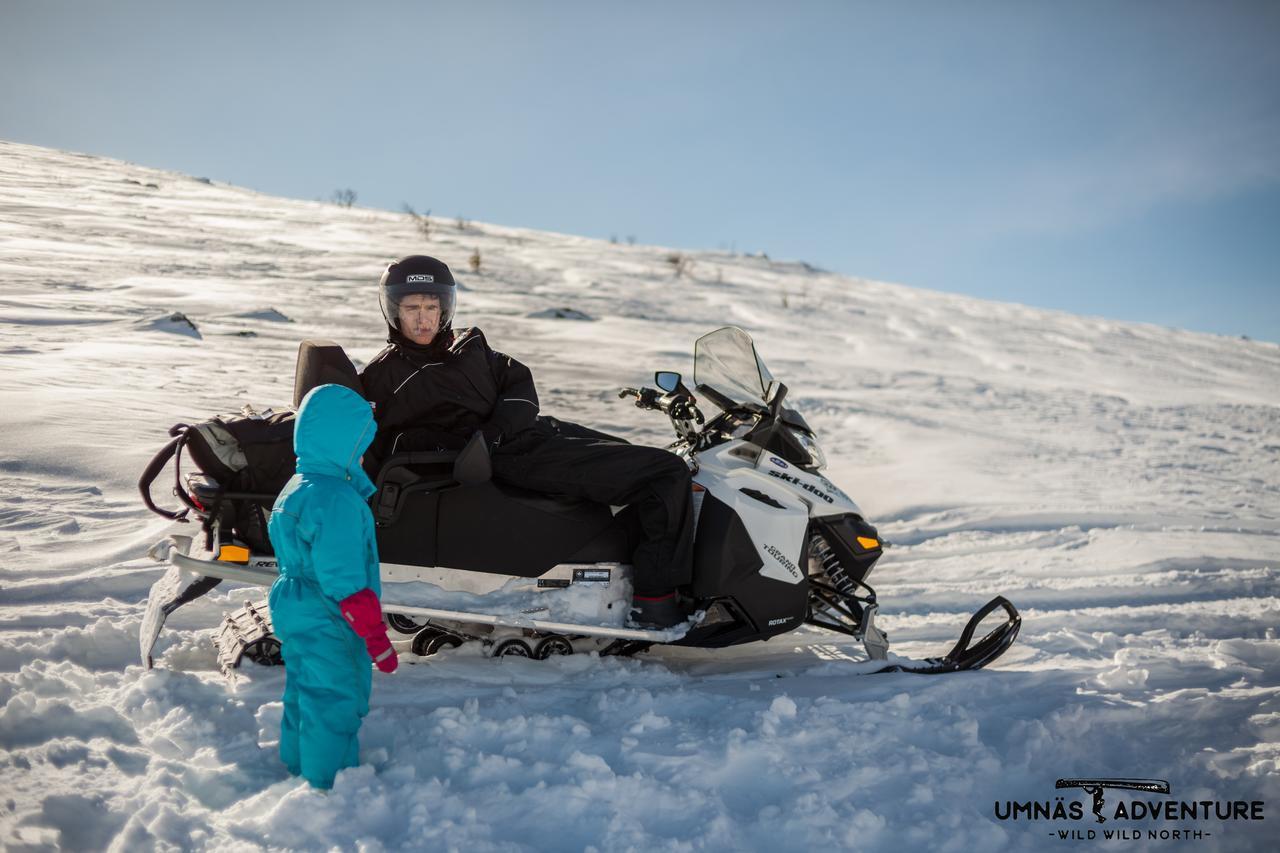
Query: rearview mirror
point(667, 380)
point(775, 395)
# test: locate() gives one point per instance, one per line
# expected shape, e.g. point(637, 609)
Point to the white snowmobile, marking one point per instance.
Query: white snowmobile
point(469, 559)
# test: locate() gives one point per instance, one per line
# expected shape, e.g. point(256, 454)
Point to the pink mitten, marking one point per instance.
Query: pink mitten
point(364, 614)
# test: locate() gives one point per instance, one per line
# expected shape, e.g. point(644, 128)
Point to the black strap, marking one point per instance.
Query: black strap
point(154, 467)
point(178, 490)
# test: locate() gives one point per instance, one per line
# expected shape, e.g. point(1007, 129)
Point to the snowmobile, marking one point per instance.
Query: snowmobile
point(467, 559)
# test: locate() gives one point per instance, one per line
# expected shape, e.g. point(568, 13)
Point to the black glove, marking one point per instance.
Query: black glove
point(683, 409)
point(647, 399)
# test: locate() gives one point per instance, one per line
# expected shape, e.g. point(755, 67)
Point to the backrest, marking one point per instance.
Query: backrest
point(323, 363)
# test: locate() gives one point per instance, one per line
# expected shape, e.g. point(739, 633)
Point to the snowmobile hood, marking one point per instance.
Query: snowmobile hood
point(335, 427)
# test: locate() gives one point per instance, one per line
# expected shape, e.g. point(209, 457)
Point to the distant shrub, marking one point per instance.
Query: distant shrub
point(422, 223)
point(344, 198)
point(474, 260)
point(681, 263)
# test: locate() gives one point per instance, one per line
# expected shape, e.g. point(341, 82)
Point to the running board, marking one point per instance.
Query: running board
point(188, 578)
point(261, 575)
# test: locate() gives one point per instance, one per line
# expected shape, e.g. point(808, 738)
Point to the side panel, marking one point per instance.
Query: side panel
point(412, 539)
point(728, 564)
point(776, 524)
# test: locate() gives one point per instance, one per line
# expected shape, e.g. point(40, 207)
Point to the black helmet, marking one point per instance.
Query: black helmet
point(416, 274)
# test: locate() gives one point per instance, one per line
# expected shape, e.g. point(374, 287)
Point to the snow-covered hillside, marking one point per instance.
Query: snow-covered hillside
point(1119, 482)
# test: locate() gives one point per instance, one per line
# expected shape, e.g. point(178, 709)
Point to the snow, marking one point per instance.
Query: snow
point(1119, 482)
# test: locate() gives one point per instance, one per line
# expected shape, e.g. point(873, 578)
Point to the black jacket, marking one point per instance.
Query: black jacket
point(436, 397)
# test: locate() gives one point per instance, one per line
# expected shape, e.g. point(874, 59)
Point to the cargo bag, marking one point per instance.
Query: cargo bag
point(245, 461)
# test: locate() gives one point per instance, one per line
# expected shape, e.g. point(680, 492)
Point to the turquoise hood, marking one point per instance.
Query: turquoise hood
point(334, 428)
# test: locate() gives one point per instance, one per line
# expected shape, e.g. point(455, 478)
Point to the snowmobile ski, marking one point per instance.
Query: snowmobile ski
point(964, 657)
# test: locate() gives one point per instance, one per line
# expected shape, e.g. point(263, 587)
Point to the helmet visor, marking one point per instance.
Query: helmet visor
point(392, 296)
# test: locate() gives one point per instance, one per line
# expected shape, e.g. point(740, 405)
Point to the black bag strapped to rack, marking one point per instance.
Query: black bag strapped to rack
point(251, 454)
point(249, 457)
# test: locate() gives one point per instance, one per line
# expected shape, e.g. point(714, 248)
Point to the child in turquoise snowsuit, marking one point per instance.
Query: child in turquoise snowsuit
point(324, 606)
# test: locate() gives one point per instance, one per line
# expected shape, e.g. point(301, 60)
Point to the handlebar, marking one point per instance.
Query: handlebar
point(677, 406)
point(646, 398)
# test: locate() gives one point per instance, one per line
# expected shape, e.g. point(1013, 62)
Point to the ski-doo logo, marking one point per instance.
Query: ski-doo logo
point(1163, 810)
point(418, 278)
point(808, 487)
point(776, 461)
point(782, 558)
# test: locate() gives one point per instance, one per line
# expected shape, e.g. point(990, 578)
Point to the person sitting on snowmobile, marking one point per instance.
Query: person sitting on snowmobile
point(433, 387)
point(324, 605)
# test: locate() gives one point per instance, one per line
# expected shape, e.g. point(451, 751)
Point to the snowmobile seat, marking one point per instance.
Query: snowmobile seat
point(442, 509)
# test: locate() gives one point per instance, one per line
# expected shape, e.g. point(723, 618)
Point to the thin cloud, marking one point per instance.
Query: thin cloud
point(1132, 173)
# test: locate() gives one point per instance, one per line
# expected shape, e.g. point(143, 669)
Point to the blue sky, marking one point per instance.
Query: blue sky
point(1120, 159)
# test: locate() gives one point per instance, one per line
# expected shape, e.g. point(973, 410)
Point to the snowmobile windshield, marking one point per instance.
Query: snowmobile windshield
point(726, 360)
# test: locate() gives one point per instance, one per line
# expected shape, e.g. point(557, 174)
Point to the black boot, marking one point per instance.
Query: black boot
point(655, 612)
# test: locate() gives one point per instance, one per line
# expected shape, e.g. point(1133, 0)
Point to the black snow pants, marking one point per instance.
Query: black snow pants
point(558, 457)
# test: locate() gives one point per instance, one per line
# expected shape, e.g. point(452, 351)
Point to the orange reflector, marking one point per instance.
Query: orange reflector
point(698, 488)
point(233, 554)
point(868, 543)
